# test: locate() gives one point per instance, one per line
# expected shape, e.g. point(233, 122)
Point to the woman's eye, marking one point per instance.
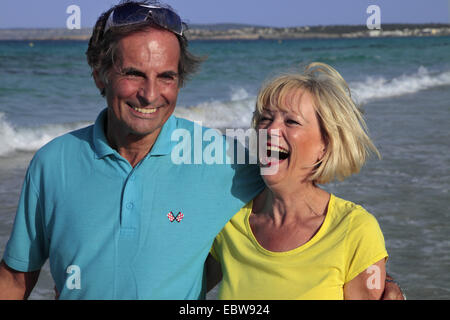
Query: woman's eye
point(291, 121)
point(265, 118)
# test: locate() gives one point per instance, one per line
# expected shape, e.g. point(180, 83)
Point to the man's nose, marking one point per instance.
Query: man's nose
point(148, 92)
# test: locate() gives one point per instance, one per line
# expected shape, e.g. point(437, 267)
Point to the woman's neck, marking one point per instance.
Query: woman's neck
point(299, 204)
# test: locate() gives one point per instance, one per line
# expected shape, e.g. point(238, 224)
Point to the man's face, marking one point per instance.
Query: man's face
point(142, 87)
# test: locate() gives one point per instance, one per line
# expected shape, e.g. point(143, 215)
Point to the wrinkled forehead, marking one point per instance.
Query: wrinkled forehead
point(147, 47)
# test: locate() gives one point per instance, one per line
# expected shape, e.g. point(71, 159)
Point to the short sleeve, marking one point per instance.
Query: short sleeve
point(365, 243)
point(26, 249)
point(216, 248)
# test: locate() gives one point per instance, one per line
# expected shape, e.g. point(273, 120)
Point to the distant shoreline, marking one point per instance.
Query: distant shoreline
point(246, 32)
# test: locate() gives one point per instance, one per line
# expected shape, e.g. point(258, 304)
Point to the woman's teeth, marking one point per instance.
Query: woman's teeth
point(277, 152)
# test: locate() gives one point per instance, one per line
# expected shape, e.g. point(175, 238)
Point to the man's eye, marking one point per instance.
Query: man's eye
point(168, 77)
point(131, 75)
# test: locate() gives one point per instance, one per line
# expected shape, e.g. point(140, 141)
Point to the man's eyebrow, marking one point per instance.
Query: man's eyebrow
point(168, 74)
point(133, 71)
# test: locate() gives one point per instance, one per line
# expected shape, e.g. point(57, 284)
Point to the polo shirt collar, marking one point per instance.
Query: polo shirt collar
point(163, 144)
point(102, 148)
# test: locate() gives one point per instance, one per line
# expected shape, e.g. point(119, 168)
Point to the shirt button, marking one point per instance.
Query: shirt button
point(130, 205)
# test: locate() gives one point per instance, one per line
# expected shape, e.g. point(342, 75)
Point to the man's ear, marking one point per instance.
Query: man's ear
point(99, 82)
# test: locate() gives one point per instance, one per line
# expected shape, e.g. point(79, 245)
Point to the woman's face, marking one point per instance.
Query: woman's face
point(294, 143)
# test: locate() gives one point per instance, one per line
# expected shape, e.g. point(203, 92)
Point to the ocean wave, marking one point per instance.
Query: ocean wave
point(379, 87)
point(30, 139)
point(236, 112)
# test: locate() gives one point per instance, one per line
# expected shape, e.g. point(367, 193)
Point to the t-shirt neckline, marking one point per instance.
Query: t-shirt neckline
point(314, 239)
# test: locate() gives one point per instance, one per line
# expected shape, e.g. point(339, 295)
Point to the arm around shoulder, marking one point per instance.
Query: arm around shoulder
point(213, 272)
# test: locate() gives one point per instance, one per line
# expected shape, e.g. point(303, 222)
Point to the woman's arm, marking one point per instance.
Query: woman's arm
point(369, 284)
point(213, 272)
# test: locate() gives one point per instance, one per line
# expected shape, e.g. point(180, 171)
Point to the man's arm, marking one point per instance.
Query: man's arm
point(392, 290)
point(213, 272)
point(16, 285)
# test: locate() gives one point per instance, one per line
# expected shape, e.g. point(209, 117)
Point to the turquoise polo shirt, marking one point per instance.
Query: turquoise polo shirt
point(111, 231)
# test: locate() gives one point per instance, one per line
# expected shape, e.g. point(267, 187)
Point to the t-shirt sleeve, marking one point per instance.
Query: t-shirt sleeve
point(365, 243)
point(26, 249)
point(216, 248)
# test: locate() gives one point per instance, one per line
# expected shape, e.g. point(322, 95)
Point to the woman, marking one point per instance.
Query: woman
point(295, 240)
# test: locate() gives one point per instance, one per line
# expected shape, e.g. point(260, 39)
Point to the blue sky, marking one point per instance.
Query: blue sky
point(277, 13)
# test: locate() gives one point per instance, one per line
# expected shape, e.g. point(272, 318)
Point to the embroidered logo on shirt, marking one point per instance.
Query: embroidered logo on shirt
point(172, 218)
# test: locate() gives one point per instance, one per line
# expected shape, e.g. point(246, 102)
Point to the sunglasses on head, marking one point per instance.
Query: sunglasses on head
point(131, 13)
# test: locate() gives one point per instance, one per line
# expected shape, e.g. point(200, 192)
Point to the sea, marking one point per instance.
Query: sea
point(402, 85)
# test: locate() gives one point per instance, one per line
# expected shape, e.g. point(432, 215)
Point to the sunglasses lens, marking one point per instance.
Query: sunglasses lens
point(129, 13)
point(167, 19)
point(135, 13)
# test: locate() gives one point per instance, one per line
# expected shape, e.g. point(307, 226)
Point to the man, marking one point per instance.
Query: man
point(117, 218)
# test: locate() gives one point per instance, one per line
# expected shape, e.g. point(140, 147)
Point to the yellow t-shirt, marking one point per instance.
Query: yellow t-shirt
point(347, 243)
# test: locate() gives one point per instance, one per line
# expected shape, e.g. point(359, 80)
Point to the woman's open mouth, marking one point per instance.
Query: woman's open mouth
point(277, 152)
point(274, 155)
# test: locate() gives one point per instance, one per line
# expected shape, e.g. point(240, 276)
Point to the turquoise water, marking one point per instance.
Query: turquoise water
point(403, 85)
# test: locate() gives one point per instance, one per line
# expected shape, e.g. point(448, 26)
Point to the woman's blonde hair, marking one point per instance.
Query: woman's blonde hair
point(342, 125)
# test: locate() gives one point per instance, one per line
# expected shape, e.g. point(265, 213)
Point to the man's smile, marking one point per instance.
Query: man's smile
point(142, 110)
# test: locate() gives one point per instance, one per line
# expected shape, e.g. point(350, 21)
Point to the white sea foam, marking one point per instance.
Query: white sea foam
point(236, 112)
point(30, 139)
point(380, 87)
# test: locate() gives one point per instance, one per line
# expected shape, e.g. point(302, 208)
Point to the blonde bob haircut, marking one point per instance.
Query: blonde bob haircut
point(342, 126)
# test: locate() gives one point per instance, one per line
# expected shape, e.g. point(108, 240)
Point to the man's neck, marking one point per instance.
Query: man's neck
point(134, 151)
point(132, 147)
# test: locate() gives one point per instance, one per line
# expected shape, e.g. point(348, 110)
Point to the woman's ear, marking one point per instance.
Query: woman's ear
point(322, 150)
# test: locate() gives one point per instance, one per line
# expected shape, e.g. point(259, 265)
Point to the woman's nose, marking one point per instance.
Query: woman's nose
point(275, 127)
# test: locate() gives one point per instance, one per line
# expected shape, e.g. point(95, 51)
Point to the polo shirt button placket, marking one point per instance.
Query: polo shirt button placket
point(129, 219)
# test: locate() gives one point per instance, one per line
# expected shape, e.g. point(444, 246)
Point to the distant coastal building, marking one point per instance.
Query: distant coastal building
point(246, 32)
